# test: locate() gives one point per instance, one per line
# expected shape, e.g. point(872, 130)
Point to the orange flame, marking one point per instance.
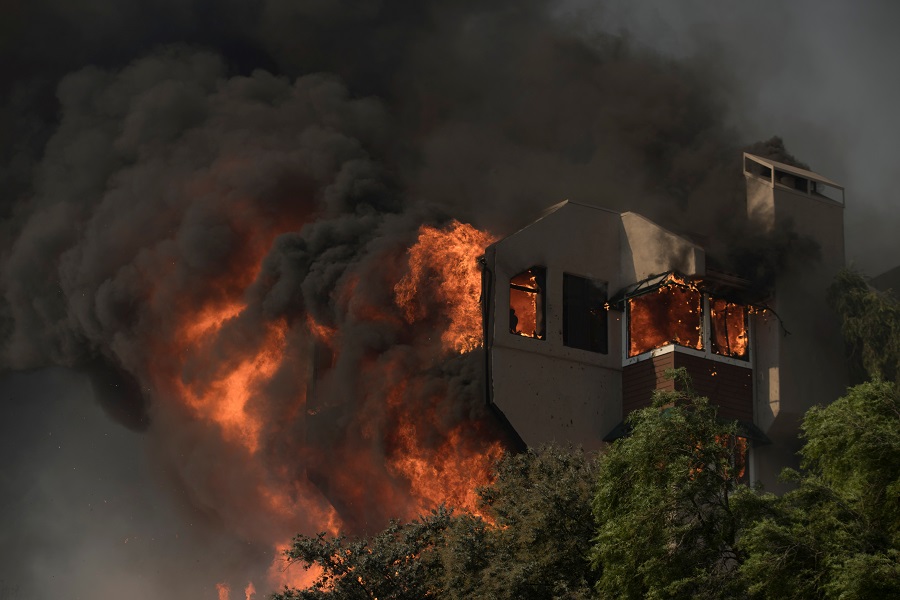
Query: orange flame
point(674, 316)
point(729, 328)
point(223, 590)
point(671, 315)
point(524, 292)
point(443, 261)
point(225, 399)
point(448, 471)
point(218, 369)
point(321, 333)
point(283, 573)
point(450, 475)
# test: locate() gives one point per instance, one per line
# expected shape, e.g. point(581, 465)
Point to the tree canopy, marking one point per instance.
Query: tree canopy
point(870, 324)
point(836, 534)
point(667, 524)
point(531, 542)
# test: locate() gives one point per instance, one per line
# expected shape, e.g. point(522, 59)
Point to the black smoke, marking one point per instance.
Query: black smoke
point(163, 156)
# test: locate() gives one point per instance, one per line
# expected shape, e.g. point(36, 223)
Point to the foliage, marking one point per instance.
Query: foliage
point(836, 534)
point(796, 548)
point(831, 535)
point(870, 325)
point(666, 516)
point(853, 447)
point(398, 563)
point(674, 523)
point(538, 548)
point(532, 544)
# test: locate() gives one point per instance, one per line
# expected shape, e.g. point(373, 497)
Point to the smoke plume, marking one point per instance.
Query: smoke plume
point(210, 209)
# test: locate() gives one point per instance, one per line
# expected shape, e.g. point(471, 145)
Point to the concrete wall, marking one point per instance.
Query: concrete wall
point(648, 249)
point(805, 367)
point(547, 391)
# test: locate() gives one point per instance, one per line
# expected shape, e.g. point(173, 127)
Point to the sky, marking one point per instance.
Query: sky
point(129, 130)
point(813, 73)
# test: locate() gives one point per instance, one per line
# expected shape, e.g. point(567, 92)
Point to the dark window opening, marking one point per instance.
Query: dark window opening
point(670, 315)
point(526, 303)
point(728, 323)
point(751, 166)
point(823, 190)
point(585, 324)
point(792, 181)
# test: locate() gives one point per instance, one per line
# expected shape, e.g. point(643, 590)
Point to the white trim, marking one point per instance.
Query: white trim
point(804, 173)
point(669, 348)
point(774, 166)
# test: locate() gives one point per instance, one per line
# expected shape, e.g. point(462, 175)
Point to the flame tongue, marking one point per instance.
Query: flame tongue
point(302, 424)
point(441, 467)
point(670, 315)
point(224, 397)
point(442, 263)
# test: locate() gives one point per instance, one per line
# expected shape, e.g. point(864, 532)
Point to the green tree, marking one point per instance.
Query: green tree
point(870, 324)
point(532, 543)
point(668, 504)
point(853, 447)
point(399, 563)
point(539, 546)
point(836, 534)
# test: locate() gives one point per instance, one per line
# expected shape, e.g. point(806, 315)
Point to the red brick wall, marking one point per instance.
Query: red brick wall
point(730, 387)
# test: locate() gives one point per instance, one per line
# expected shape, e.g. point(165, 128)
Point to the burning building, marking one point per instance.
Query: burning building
point(586, 308)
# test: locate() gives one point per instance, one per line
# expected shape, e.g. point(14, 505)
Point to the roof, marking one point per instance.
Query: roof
point(792, 170)
point(552, 209)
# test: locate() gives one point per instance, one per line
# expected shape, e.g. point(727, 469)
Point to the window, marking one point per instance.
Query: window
point(751, 166)
point(584, 314)
point(526, 303)
point(670, 315)
point(679, 313)
point(728, 328)
point(792, 181)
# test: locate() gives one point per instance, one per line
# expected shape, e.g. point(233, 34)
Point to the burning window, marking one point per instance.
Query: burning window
point(741, 456)
point(584, 314)
point(526, 303)
point(740, 453)
point(670, 315)
point(728, 325)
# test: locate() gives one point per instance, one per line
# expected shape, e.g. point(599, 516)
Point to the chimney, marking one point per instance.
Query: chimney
point(799, 362)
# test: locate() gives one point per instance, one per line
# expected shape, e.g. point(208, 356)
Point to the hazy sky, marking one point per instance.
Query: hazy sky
point(818, 74)
point(74, 485)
